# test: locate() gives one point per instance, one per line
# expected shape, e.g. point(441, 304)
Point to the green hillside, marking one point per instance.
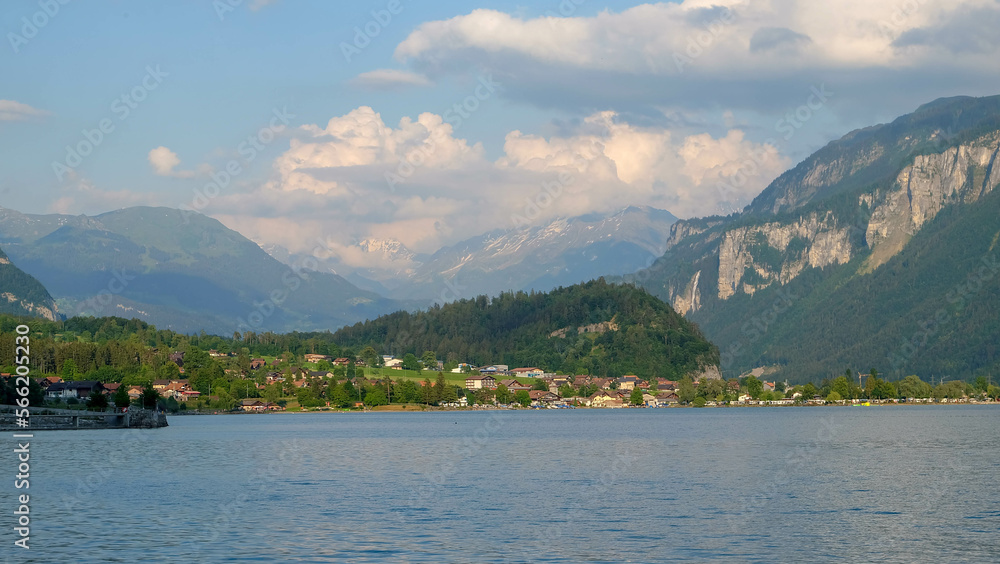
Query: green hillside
point(648, 338)
point(933, 310)
point(187, 272)
point(810, 285)
point(21, 294)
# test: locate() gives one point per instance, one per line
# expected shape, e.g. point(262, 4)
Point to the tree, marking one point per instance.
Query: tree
point(410, 362)
point(306, 398)
point(121, 398)
point(685, 390)
point(408, 392)
point(149, 397)
point(370, 356)
point(993, 392)
point(226, 401)
point(981, 384)
point(913, 387)
point(376, 397)
point(272, 393)
point(69, 370)
point(448, 394)
point(699, 402)
point(439, 386)
point(523, 397)
point(172, 405)
point(429, 360)
point(754, 386)
point(504, 396)
point(841, 385)
point(97, 401)
point(808, 391)
point(833, 397)
point(567, 391)
point(427, 392)
point(341, 397)
point(636, 397)
point(540, 385)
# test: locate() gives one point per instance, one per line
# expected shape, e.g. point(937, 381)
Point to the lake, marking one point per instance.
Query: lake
point(873, 484)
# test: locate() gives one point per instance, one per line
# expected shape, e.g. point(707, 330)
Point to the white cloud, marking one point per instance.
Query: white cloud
point(383, 79)
point(16, 111)
point(83, 196)
point(164, 163)
point(645, 38)
point(333, 180)
point(728, 54)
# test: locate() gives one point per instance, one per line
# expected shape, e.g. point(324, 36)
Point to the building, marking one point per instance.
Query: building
point(528, 372)
point(257, 363)
point(539, 397)
point(606, 398)
point(74, 390)
point(316, 357)
point(627, 383)
point(45, 382)
point(480, 381)
point(178, 358)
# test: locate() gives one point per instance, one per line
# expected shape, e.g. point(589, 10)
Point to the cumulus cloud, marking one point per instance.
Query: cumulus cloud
point(710, 53)
point(770, 38)
point(357, 178)
point(16, 111)
point(386, 79)
point(165, 162)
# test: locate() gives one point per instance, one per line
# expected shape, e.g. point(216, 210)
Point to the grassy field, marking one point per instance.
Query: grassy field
point(449, 377)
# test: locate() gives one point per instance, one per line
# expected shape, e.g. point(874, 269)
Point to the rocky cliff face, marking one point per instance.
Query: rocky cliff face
point(757, 256)
point(832, 239)
point(960, 174)
point(20, 294)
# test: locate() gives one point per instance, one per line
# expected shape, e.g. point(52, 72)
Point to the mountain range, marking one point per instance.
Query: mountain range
point(877, 251)
point(187, 272)
point(178, 270)
point(562, 252)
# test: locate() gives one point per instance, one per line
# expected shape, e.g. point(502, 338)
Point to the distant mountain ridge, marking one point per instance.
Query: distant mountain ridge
point(21, 294)
point(841, 261)
point(562, 252)
point(177, 270)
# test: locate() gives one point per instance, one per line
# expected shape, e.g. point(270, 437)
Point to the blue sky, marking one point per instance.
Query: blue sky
point(652, 104)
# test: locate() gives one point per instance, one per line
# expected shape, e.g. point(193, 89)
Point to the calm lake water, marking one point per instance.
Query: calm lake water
point(876, 484)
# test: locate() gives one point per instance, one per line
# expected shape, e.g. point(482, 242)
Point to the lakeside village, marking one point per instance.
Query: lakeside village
point(315, 382)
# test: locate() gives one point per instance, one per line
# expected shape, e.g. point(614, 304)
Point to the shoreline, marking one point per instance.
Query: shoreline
point(432, 409)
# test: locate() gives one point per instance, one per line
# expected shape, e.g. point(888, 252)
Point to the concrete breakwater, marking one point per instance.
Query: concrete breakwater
point(42, 419)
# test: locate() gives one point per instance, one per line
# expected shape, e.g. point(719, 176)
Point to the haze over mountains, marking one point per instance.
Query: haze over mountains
point(181, 271)
point(878, 251)
point(188, 272)
point(559, 253)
